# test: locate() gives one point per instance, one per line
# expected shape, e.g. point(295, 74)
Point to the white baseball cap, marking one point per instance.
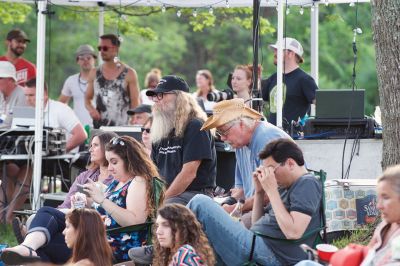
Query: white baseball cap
point(292, 45)
point(7, 70)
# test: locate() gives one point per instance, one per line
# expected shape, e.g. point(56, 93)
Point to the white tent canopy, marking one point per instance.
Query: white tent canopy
point(41, 29)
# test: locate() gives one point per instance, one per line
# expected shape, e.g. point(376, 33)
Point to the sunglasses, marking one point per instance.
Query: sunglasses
point(104, 48)
point(145, 129)
point(117, 141)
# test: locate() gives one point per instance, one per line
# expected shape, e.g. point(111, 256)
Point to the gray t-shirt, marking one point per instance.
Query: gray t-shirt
point(303, 196)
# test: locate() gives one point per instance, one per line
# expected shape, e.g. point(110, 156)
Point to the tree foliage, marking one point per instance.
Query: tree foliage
point(219, 41)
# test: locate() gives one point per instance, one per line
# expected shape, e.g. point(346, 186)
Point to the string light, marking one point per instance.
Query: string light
point(148, 2)
point(326, 2)
point(351, 3)
point(211, 10)
point(287, 10)
point(124, 18)
point(301, 10)
point(195, 12)
point(227, 4)
point(312, 8)
point(163, 9)
point(179, 13)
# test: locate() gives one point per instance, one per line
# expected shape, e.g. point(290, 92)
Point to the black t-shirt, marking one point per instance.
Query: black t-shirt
point(298, 93)
point(171, 153)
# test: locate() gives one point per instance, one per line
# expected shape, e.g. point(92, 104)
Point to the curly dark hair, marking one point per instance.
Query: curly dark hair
point(185, 229)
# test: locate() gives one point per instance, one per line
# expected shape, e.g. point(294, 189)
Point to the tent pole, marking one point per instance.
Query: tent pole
point(256, 102)
point(314, 48)
point(279, 67)
point(40, 64)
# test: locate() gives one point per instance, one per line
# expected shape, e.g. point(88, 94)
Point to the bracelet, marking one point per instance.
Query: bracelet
point(100, 203)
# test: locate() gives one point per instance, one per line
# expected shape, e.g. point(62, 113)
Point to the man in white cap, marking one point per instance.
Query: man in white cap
point(298, 87)
point(11, 94)
point(75, 85)
point(16, 42)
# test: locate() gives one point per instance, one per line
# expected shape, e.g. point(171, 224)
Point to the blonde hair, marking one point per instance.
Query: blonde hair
point(187, 108)
point(153, 75)
point(392, 175)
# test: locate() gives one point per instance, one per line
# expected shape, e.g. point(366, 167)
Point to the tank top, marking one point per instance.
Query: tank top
point(112, 99)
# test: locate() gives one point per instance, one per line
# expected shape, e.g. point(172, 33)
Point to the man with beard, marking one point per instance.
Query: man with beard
point(75, 85)
point(184, 155)
point(298, 87)
point(114, 86)
point(16, 44)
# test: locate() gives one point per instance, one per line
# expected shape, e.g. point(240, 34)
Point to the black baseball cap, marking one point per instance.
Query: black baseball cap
point(169, 83)
point(143, 108)
point(17, 34)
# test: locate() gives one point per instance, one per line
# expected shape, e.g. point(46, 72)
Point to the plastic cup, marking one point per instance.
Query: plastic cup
point(325, 251)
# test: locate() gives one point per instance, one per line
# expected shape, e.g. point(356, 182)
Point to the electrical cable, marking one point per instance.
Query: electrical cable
point(356, 31)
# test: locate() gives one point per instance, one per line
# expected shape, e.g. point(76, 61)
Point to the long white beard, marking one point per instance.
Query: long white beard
point(163, 123)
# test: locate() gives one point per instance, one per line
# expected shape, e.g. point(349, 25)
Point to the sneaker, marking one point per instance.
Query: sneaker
point(141, 255)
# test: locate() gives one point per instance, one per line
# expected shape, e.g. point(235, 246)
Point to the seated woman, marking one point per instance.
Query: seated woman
point(96, 171)
point(83, 228)
point(205, 85)
point(242, 81)
point(127, 201)
point(179, 239)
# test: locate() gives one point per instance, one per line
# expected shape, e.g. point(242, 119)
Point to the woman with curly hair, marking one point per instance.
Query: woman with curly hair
point(83, 228)
point(179, 239)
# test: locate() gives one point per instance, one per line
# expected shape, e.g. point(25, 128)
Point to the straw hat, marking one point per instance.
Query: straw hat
point(227, 111)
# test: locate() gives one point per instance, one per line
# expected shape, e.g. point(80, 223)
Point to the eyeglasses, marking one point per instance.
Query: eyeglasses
point(117, 141)
point(84, 57)
point(145, 129)
point(225, 132)
point(104, 48)
point(160, 95)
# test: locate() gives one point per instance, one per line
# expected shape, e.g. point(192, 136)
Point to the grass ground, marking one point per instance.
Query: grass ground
point(7, 235)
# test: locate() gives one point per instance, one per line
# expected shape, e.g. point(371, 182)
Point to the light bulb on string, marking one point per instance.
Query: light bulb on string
point(276, 7)
point(301, 10)
point(351, 3)
point(179, 13)
point(163, 9)
point(194, 12)
point(287, 10)
point(227, 4)
point(124, 17)
point(312, 8)
point(211, 10)
point(326, 2)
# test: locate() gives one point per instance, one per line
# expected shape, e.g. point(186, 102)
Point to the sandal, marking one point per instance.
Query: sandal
point(13, 258)
point(16, 226)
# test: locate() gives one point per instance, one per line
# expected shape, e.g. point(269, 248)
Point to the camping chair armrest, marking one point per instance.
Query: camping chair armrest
point(304, 236)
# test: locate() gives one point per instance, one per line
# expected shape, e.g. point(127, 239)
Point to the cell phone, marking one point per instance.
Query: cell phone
point(81, 190)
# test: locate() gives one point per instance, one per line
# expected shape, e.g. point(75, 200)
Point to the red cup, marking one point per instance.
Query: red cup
point(325, 251)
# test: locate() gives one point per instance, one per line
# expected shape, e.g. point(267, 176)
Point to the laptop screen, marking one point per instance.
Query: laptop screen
point(339, 104)
point(23, 116)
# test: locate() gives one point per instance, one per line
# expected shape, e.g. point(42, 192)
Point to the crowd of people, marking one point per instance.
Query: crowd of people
point(281, 198)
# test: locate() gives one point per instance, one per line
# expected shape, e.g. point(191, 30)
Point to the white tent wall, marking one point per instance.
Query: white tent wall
point(279, 4)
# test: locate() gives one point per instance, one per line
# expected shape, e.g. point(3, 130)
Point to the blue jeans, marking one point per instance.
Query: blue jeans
point(231, 241)
point(51, 222)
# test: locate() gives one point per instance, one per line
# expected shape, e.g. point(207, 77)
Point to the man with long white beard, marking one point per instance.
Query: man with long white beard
point(184, 155)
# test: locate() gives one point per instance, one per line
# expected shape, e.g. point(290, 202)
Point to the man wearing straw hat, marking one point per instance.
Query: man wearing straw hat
point(242, 128)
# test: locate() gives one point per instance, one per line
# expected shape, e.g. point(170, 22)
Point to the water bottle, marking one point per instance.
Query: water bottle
point(236, 214)
point(79, 201)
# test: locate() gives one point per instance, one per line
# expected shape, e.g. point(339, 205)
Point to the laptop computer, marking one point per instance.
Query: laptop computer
point(23, 116)
point(340, 104)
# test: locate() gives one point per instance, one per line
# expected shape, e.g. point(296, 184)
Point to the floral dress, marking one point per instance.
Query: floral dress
point(121, 242)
